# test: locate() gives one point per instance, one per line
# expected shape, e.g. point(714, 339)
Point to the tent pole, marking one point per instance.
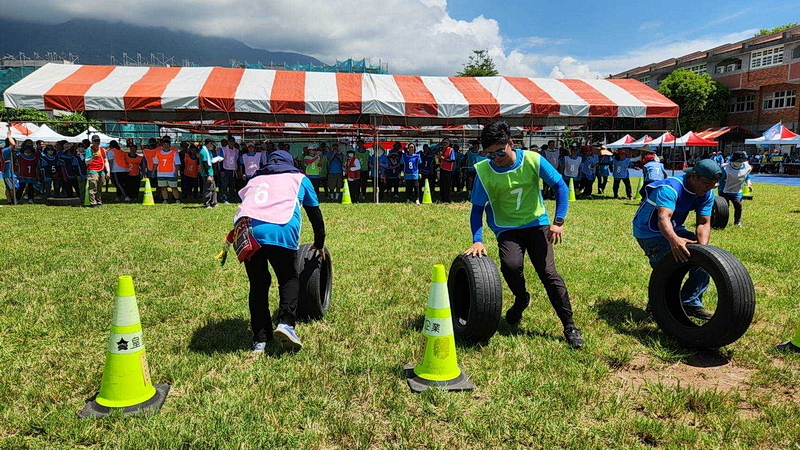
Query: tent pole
point(375, 163)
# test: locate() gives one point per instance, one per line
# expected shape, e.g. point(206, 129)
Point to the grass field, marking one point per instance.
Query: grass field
point(629, 387)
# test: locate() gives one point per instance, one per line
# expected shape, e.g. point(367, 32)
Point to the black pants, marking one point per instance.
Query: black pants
point(132, 186)
point(69, 188)
point(601, 183)
point(364, 182)
point(355, 189)
point(627, 182)
point(209, 192)
point(445, 187)
point(282, 261)
point(190, 187)
point(393, 185)
point(586, 186)
point(412, 191)
point(513, 244)
point(315, 182)
point(120, 180)
point(737, 206)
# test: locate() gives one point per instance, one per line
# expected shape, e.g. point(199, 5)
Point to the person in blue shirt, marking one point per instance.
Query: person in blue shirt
point(658, 226)
point(427, 169)
point(619, 170)
point(519, 220)
point(588, 171)
point(735, 175)
point(7, 156)
point(411, 162)
point(47, 165)
point(270, 215)
point(393, 173)
point(603, 169)
point(652, 171)
point(335, 173)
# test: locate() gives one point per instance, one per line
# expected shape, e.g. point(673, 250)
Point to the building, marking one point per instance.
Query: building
point(762, 72)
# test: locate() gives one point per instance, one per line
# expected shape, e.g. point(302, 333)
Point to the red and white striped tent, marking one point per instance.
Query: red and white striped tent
point(190, 93)
point(622, 142)
point(641, 142)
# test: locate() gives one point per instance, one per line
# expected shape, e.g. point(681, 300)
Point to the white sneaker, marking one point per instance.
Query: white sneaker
point(418, 202)
point(286, 336)
point(165, 202)
point(177, 201)
point(127, 199)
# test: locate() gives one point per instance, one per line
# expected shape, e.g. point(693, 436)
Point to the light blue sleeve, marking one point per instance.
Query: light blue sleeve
point(666, 197)
point(309, 197)
point(705, 208)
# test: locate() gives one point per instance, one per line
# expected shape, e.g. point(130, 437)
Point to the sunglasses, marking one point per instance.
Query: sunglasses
point(493, 155)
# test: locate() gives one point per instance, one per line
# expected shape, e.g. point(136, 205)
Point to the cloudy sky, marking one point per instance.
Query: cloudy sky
point(563, 38)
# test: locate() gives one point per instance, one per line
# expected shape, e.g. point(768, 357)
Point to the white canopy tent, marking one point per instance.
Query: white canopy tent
point(91, 132)
point(47, 134)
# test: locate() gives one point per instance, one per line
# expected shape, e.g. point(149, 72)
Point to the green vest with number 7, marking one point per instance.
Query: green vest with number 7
point(514, 195)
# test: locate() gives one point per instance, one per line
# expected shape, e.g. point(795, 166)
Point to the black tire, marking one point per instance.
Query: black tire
point(735, 306)
point(316, 283)
point(719, 213)
point(476, 297)
point(67, 201)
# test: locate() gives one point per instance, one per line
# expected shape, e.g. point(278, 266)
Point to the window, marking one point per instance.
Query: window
point(645, 80)
point(730, 65)
point(698, 69)
point(796, 52)
point(743, 103)
point(780, 99)
point(767, 57)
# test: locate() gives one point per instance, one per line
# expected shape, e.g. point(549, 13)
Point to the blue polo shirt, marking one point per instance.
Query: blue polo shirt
point(672, 194)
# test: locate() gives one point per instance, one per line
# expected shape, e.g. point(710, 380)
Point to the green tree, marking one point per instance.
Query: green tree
point(480, 65)
point(703, 101)
point(73, 124)
point(765, 31)
point(21, 115)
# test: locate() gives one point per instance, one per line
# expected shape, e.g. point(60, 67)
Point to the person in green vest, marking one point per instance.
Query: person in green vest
point(362, 154)
point(322, 150)
point(507, 189)
point(312, 161)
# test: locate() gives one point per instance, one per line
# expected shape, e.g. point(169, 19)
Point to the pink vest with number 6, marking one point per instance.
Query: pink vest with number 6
point(270, 198)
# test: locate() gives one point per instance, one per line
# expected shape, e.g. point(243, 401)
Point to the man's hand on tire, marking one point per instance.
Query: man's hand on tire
point(679, 250)
point(477, 249)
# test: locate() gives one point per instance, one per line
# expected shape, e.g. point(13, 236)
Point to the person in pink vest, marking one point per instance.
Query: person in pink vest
point(267, 232)
point(229, 173)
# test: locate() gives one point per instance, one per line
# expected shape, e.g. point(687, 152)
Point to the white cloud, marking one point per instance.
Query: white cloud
point(649, 25)
point(569, 67)
point(413, 36)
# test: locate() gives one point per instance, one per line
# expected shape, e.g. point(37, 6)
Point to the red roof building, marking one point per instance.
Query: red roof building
point(762, 72)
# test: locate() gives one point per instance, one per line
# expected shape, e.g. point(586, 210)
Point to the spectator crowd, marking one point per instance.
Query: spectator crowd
point(216, 170)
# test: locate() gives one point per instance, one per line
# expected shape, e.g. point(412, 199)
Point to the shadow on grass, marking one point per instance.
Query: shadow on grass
point(221, 336)
point(507, 330)
point(629, 319)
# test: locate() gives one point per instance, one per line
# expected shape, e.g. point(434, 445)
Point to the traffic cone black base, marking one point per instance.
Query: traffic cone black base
point(788, 347)
point(93, 409)
point(417, 384)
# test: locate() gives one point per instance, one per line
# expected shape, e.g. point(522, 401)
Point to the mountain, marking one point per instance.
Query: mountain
point(94, 41)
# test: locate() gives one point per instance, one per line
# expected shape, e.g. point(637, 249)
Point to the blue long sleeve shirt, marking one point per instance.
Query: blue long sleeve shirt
point(480, 199)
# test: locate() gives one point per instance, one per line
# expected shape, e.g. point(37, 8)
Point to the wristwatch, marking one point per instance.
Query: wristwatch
point(558, 221)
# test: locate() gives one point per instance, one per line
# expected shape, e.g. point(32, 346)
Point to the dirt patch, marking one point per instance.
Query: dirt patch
point(702, 372)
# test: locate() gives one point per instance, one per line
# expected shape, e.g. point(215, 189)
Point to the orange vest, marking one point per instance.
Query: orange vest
point(166, 162)
point(447, 154)
point(119, 158)
point(149, 154)
point(134, 165)
point(190, 166)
